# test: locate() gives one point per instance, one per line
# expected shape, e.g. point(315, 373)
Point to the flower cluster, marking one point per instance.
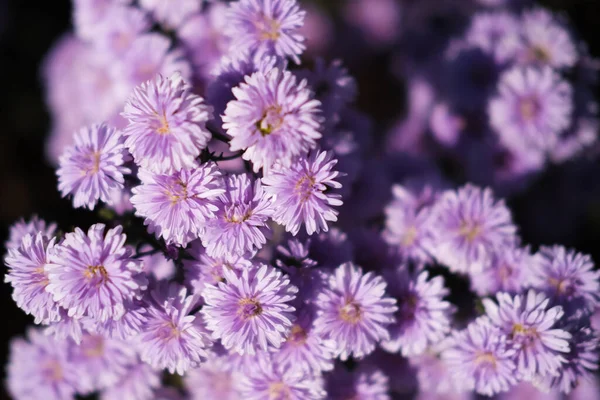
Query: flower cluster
point(253, 244)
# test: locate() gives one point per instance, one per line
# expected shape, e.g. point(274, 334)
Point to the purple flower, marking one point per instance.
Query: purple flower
point(470, 225)
point(137, 383)
point(94, 274)
point(410, 223)
point(178, 206)
point(20, 229)
point(481, 359)
point(365, 383)
point(101, 362)
point(434, 374)
point(169, 13)
point(274, 118)
point(354, 311)
point(302, 193)
point(38, 368)
point(240, 222)
point(542, 40)
point(214, 379)
point(530, 327)
point(304, 348)
point(565, 275)
point(268, 381)
point(171, 338)
point(423, 317)
point(67, 327)
point(266, 27)
point(28, 276)
point(124, 328)
point(532, 108)
point(92, 169)
point(202, 269)
point(510, 270)
point(251, 311)
point(166, 130)
point(122, 25)
point(488, 29)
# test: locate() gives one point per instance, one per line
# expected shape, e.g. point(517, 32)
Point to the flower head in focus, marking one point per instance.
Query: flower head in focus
point(250, 312)
point(354, 311)
point(166, 130)
point(303, 193)
point(92, 169)
point(273, 118)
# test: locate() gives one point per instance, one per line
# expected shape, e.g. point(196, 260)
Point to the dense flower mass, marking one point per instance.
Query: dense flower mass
point(263, 239)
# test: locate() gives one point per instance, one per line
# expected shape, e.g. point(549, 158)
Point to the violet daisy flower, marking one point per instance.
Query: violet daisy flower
point(21, 228)
point(423, 317)
point(565, 275)
point(410, 223)
point(532, 108)
point(171, 338)
point(354, 311)
point(137, 383)
point(39, 368)
point(202, 269)
point(28, 276)
point(101, 362)
point(530, 327)
point(510, 270)
point(273, 118)
point(240, 222)
point(481, 359)
point(93, 274)
point(304, 348)
point(266, 27)
point(269, 381)
point(167, 125)
point(302, 193)
point(123, 25)
point(251, 311)
point(215, 379)
point(124, 328)
point(92, 169)
point(471, 224)
point(177, 207)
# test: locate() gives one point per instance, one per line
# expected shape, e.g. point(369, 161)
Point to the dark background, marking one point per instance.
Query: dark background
point(28, 184)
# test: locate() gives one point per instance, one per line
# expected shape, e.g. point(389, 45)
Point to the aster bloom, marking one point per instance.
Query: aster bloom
point(124, 328)
point(488, 29)
point(167, 125)
point(565, 275)
point(138, 382)
point(266, 27)
point(532, 108)
point(21, 228)
point(510, 270)
point(121, 26)
point(214, 379)
point(269, 381)
point(93, 274)
point(530, 326)
point(410, 223)
point(481, 359)
point(365, 383)
point(250, 312)
point(471, 224)
point(423, 317)
point(171, 338)
point(354, 311)
point(240, 222)
point(177, 207)
point(541, 40)
point(92, 169)
point(272, 118)
point(304, 348)
point(101, 362)
point(39, 368)
point(202, 269)
point(66, 328)
point(29, 279)
point(300, 193)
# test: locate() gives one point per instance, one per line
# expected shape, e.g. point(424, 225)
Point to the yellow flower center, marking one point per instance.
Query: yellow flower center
point(351, 312)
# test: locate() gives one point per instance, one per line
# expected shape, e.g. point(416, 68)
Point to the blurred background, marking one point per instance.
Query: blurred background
point(28, 183)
